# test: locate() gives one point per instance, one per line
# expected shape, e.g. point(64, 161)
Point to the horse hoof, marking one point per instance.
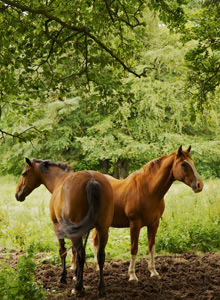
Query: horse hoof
point(62, 280)
point(101, 294)
point(155, 274)
point(78, 293)
point(133, 278)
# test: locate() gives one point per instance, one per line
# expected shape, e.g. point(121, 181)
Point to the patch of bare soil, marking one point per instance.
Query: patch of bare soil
point(187, 276)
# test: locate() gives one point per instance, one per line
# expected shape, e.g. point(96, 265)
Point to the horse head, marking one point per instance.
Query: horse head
point(184, 170)
point(28, 181)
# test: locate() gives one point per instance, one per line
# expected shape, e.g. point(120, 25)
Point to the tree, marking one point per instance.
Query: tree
point(102, 81)
point(47, 47)
point(203, 60)
point(142, 118)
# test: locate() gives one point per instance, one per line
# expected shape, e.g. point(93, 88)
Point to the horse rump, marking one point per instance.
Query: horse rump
point(74, 231)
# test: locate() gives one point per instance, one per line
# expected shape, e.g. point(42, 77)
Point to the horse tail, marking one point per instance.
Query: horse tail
point(75, 231)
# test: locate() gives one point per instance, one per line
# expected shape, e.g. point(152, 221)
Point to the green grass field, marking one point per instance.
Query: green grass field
point(191, 222)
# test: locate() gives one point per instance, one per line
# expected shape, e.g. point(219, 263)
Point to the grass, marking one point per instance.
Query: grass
point(28, 222)
point(191, 222)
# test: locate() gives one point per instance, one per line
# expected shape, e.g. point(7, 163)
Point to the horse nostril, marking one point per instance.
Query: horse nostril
point(198, 185)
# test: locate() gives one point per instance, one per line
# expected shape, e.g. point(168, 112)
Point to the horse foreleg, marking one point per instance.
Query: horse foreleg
point(62, 252)
point(135, 227)
point(96, 247)
point(152, 230)
point(103, 238)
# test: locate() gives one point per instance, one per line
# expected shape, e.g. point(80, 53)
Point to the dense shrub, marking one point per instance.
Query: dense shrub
point(19, 283)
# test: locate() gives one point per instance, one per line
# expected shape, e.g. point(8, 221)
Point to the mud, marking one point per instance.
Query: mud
point(185, 276)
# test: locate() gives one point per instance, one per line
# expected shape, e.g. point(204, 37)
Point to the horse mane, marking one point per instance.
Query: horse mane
point(135, 173)
point(44, 164)
point(151, 165)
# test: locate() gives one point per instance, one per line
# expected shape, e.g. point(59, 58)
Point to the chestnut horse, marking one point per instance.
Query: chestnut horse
point(139, 199)
point(80, 201)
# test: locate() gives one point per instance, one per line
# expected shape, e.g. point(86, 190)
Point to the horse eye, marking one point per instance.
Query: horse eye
point(183, 165)
point(24, 174)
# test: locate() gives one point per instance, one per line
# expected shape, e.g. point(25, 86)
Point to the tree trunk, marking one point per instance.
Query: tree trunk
point(104, 166)
point(121, 169)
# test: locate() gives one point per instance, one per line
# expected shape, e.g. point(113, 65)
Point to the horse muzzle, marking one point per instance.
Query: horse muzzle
point(20, 197)
point(197, 187)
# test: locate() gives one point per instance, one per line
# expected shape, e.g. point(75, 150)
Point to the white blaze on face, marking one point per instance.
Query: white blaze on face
point(196, 174)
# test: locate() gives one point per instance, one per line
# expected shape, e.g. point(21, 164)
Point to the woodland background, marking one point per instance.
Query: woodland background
point(109, 85)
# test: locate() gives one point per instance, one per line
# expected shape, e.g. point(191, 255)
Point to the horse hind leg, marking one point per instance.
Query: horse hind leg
point(73, 261)
point(102, 238)
point(152, 230)
point(80, 260)
point(62, 252)
point(135, 227)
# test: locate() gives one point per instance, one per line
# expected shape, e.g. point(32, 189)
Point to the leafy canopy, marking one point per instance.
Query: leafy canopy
point(47, 45)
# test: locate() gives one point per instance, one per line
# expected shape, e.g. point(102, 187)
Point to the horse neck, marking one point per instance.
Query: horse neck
point(52, 178)
point(160, 176)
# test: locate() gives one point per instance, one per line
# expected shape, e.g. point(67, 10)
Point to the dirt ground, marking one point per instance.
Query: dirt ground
point(185, 276)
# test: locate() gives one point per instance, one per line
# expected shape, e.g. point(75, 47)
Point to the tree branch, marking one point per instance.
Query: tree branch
point(19, 135)
point(84, 30)
point(86, 58)
point(53, 38)
point(44, 13)
point(109, 11)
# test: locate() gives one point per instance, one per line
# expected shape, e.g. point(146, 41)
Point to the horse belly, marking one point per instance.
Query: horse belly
point(120, 220)
point(55, 211)
point(152, 213)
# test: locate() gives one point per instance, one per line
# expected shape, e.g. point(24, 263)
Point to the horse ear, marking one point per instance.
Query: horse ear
point(188, 150)
point(28, 161)
point(179, 152)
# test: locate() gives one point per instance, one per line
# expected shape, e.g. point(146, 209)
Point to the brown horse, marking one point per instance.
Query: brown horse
point(139, 199)
point(80, 201)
